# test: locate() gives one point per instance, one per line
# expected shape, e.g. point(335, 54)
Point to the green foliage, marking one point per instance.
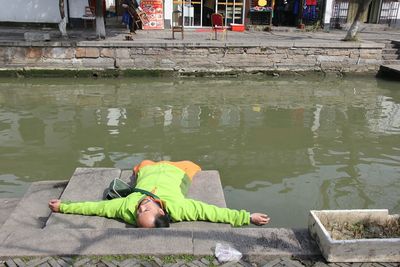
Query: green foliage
point(175, 258)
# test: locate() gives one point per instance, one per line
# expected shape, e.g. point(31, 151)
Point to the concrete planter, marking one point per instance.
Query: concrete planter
point(355, 250)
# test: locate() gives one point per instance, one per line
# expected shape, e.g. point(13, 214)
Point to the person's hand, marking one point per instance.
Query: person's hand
point(54, 205)
point(259, 219)
point(125, 6)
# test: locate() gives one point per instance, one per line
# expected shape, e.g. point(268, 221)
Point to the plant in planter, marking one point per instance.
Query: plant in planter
point(356, 235)
point(390, 228)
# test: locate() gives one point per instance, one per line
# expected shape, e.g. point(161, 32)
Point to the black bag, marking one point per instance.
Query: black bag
point(119, 188)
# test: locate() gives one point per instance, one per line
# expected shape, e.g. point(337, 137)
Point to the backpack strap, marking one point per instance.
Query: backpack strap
point(145, 192)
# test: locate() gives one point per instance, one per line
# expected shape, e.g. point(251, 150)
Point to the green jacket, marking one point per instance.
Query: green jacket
point(171, 185)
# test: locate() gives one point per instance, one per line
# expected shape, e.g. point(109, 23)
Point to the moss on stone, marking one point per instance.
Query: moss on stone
point(127, 73)
point(146, 73)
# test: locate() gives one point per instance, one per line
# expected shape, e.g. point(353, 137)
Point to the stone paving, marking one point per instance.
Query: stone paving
point(198, 36)
point(174, 261)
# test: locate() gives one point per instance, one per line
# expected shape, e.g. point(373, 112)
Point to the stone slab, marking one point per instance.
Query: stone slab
point(256, 242)
point(206, 186)
point(126, 176)
point(86, 184)
point(7, 205)
point(36, 36)
point(392, 71)
point(48, 242)
point(32, 210)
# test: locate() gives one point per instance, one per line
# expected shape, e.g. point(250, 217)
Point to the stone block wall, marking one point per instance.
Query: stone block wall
point(341, 57)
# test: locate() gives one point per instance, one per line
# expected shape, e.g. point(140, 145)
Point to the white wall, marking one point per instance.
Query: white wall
point(168, 9)
point(30, 11)
point(76, 7)
point(39, 11)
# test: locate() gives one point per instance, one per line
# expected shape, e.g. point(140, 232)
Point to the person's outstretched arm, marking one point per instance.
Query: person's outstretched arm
point(105, 208)
point(193, 210)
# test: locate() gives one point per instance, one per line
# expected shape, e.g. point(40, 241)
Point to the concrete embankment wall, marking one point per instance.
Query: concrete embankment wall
point(190, 58)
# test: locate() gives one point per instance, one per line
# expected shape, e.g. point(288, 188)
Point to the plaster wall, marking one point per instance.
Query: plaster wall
point(39, 11)
point(76, 8)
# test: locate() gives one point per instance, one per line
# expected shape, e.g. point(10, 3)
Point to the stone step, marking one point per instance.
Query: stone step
point(89, 184)
point(391, 62)
point(390, 56)
point(391, 46)
point(390, 51)
point(32, 210)
point(390, 71)
point(396, 42)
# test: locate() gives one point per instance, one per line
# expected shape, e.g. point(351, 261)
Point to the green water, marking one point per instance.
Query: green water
point(282, 146)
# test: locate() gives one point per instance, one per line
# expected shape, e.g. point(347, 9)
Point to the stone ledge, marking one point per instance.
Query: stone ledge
point(253, 242)
point(122, 44)
point(339, 45)
point(36, 44)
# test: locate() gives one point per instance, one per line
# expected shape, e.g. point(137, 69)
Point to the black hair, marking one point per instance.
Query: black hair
point(161, 221)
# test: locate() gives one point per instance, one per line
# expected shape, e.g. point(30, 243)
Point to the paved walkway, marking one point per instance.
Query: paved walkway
point(174, 261)
point(202, 36)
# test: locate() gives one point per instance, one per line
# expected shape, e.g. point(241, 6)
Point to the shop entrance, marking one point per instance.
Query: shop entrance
point(291, 12)
point(197, 13)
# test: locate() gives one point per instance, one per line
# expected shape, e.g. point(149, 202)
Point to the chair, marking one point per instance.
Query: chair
point(177, 23)
point(89, 16)
point(217, 23)
point(142, 16)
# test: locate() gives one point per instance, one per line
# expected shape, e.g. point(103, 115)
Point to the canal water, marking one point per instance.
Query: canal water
point(282, 145)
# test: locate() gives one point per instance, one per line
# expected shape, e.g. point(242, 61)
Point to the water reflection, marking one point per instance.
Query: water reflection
point(283, 146)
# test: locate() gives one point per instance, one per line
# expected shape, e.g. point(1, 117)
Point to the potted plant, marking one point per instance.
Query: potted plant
point(356, 235)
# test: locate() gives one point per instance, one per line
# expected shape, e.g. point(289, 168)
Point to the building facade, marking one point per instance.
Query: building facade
point(40, 11)
point(341, 13)
point(197, 13)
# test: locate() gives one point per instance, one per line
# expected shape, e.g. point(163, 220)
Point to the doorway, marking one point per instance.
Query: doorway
point(197, 13)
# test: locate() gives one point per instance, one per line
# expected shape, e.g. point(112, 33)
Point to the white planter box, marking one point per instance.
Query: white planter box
point(355, 250)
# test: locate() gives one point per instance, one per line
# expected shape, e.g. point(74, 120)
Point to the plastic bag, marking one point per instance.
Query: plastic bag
point(224, 252)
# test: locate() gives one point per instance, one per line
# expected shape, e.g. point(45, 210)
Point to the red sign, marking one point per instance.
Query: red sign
point(155, 14)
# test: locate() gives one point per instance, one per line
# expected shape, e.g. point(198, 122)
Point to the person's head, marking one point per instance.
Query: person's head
point(150, 214)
